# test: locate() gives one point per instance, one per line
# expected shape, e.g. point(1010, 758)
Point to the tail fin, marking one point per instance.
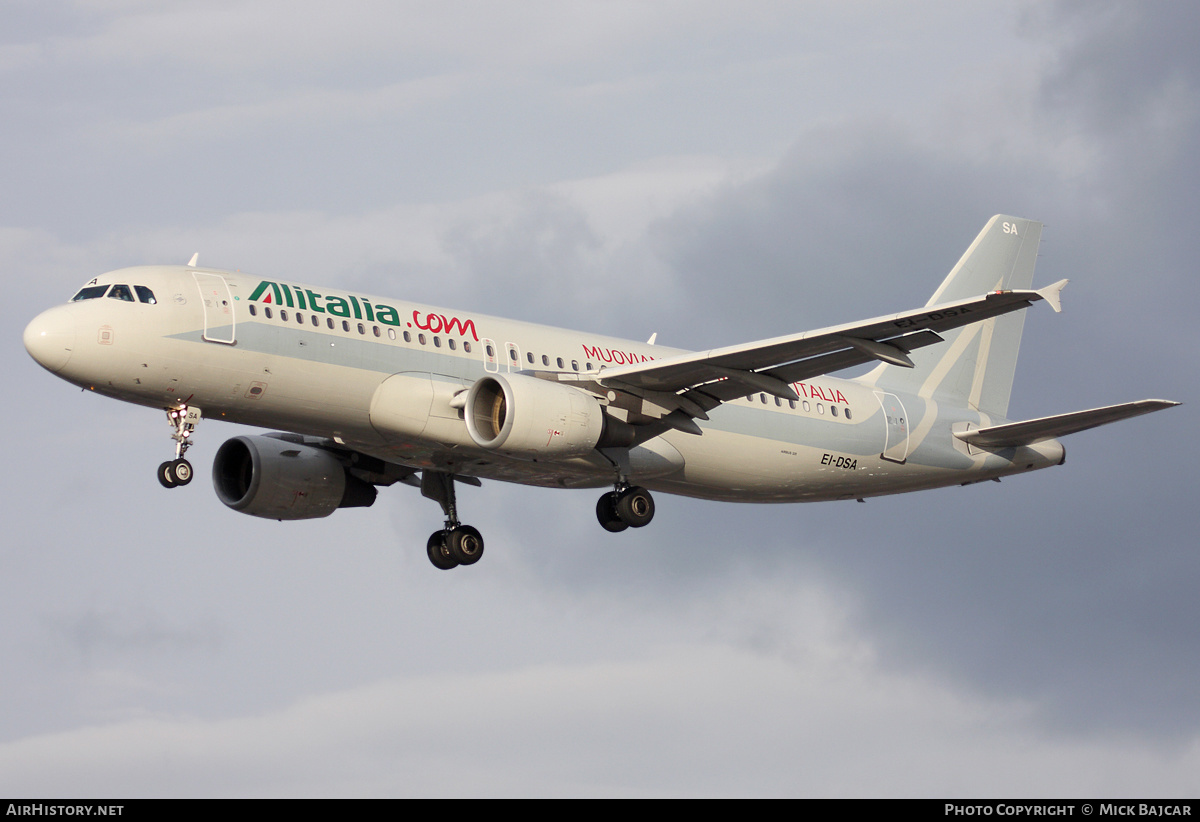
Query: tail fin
point(975, 365)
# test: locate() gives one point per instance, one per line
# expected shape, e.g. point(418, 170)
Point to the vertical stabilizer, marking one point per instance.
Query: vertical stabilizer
point(975, 365)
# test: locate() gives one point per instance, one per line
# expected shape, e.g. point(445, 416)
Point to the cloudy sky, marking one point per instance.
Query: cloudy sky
point(715, 173)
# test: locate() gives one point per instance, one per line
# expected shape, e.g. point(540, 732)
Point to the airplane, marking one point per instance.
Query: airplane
point(368, 392)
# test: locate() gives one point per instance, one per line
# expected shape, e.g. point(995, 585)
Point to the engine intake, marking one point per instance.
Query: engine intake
point(278, 479)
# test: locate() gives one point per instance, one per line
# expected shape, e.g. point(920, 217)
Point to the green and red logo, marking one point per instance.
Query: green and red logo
point(358, 308)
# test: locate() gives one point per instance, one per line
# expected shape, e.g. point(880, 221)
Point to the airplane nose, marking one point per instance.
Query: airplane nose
point(50, 338)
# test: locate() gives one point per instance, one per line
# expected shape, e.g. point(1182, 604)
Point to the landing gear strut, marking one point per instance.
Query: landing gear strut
point(179, 471)
point(628, 507)
point(456, 544)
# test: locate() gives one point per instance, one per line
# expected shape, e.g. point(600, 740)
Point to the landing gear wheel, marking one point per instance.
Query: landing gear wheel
point(439, 552)
point(635, 507)
point(455, 544)
point(465, 544)
point(182, 469)
point(166, 475)
point(606, 513)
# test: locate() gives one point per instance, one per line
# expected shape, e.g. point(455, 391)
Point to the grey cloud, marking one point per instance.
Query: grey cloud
point(1117, 60)
point(105, 632)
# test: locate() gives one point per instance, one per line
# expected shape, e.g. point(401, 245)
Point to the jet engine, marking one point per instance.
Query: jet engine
point(531, 418)
point(269, 477)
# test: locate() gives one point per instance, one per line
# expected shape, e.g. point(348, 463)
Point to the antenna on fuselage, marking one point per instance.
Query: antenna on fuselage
point(192, 262)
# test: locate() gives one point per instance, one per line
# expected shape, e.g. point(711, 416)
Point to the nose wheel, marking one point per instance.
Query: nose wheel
point(175, 472)
point(178, 471)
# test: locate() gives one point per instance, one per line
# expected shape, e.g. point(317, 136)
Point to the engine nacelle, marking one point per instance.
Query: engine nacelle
point(531, 418)
point(279, 479)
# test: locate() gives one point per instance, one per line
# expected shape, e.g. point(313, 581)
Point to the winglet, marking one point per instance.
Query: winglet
point(1053, 295)
point(192, 262)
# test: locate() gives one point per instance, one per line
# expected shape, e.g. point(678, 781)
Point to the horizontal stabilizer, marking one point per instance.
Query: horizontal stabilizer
point(1030, 431)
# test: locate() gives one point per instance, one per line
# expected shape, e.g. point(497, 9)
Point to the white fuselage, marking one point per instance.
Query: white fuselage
point(379, 376)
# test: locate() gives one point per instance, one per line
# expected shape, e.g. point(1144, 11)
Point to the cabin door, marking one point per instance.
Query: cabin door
point(217, 304)
point(895, 447)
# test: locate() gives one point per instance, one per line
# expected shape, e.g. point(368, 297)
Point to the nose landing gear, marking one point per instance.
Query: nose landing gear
point(179, 471)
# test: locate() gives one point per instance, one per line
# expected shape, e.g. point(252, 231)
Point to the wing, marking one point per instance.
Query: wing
point(687, 386)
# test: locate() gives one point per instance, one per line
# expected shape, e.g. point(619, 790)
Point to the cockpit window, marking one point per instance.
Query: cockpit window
point(116, 292)
point(90, 292)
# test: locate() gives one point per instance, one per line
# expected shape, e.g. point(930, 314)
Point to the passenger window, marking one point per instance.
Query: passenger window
point(121, 292)
point(847, 413)
point(545, 360)
point(807, 407)
point(792, 404)
point(529, 357)
point(512, 354)
point(346, 326)
point(253, 310)
point(362, 329)
point(391, 333)
point(574, 365)
point(491, 351)
point(560, 362)
point(466, 346)
point(820, 408)
point(450, 342)
point(833, 410)
point(437, 341)
point(267, 312)
point(145, 294)
point(375, 330)
point(283, 314)
point(329, 322)
point(407, 337)
point(315, 321)
point(421, 339)
point(299, 318)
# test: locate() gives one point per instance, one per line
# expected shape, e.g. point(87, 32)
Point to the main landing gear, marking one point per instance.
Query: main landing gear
point(456, 544)
point(625, 507)
point(179, 471)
